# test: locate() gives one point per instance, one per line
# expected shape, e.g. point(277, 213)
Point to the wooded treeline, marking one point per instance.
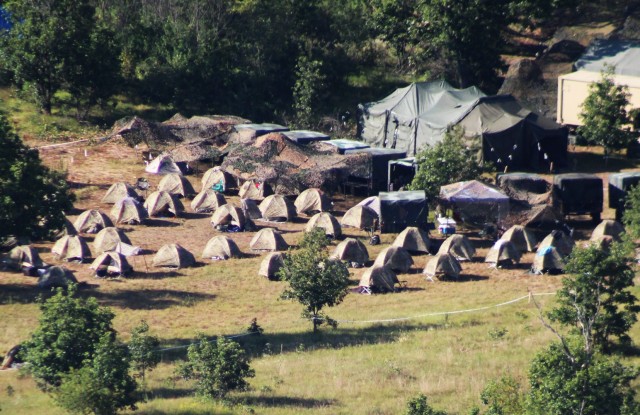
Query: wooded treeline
point(262, 59)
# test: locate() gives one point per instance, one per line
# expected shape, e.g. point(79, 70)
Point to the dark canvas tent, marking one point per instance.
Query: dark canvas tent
point(475, 202)
point(377, 176)
point(578, 194)
point(398, 210)
point(619, 185)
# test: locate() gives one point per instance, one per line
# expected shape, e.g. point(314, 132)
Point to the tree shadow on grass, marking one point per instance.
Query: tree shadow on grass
point(148, 299)
point(278, 401)
point(154, 275)
point(161, 223)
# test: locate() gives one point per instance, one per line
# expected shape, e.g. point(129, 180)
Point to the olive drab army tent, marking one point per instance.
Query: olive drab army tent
point(413, 240)
point(119, 191)
point(24, 256)
point(129, 211)
point(177, 185)
point(268, 239)
point(312, 201)
point(111, 264)
point(353, 251)
point(459, 246)
point(396, 258)
point(108, 238)
point(221, 247)
point(327, 222)
point(71, 248)
point(271, 264)
point(91, 221)
point(562, 242)
point(253, 189)
point(608, 228)
point(378, 279)
point(277, 208)
point(361, 217)
point(523, 239)
point(228, 215)
point(547, 260)
point(173, 256)
point(163, 164)
point(217, 179)
point(207, 201)
point(161, 203)
point(56, 277)
point(442, 266)
point(503, 252)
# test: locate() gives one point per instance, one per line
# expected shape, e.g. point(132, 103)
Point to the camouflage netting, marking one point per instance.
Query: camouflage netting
point(291, 168)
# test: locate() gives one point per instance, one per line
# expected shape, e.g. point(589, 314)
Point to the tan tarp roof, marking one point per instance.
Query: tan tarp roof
point(56, 277)
point(112, 263)
point(277, 207)
point(207, 201)
point(312, 200)
point(91, 221)
point(177, 185)
point(160, 202)
point(459, 246)
point(268, 239)
point(72, 248)
point(108, 238)
point(560, 241)
point(523, 239)
point(216, 176)
point(129, 210)
point(271, 264)
point(443, 265)
point(608, 227)
point(379, 279)
point(173, 256)
point(361, 217)
point(351, 250)
point(396, 258)
point(119, 191)
point(221, 247)
point(255, 190)
point(547, 259)
point(503, 250)
point(25, 255)
point(413, 239)
point(326, 221)
point(228, 214)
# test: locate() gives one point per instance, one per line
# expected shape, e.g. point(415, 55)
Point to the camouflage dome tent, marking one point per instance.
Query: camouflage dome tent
point(111, 264)
point(459, 246)
point(268, 239)
point(353, 251)
point(218, 180)
point(326, 221)
point(442, 265)
point(523, 239)
point(271, 264)
point(378, 279)
point(91, 221)
point(560, 241)
point(56, 277)
point(163, 164)
point(119, 191)
point(253, 189)
point(221, 247)
point(413, 240)
point(228, 215)
point(502, 252)
point(312, 200)
point(361, 217)
point(277, 208)
point(396, 258)
point(160, 203)
point(129, 211)
point(71, 248)
point(608, 228)
point(107, 239)
point(547, 260)
point(207, 201)
point(24, 256)
point(177, 185)
point(173, 256)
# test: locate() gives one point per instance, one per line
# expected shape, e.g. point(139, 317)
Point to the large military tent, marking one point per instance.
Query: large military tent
point(119, 191)
point(378, 279)
point(91, 221)
point(221, 247)
point(523, 239)
point(56, 277)
point(207, 201)
point(353, 251)
point(413, 240)
point(475, 202)
point(217, 179)
point(160, 203)
point(271, 264)
point(312, 200)
point(111, 264)
point(108, 238)
point(228, 215)
point(396, 258)
point(129, 211)
point(268, 239)
point(277, 208)
point(177, 185)
point(24, 256)
point(397, 210)
point(459, 246)
point(71, 248)
point(173, 256)
point(419, 115)
point(327, 222)
point(442, 266)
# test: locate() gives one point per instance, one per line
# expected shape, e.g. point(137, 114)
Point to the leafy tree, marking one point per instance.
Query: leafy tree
point(631, 216)
point(503, 397)
point(451, 160)
point(69, 332)
point(32, 197)
point(595, 300)
point(217, 367)
point(315, 281)
point(314, 240)
point(566, 380)
point(309, 81)
point(103, 385)
point(143, 348)
point(419, 406)
point(604, 115)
